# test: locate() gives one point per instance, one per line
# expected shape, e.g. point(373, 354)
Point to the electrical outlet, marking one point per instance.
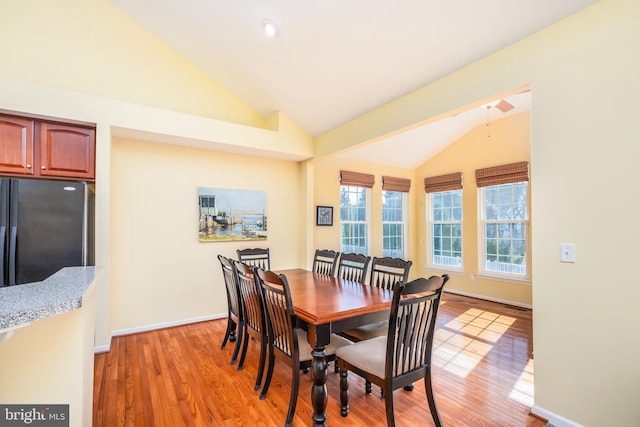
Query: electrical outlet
point(567, 252)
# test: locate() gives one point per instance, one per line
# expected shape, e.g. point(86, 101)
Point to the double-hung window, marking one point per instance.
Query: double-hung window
point(394, 216)
point(444, 215)
point(355, 197)
point(504, 217)
point(445, 219)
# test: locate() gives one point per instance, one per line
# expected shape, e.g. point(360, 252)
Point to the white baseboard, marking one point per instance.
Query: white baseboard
point(146, 328)
point(484, 297)
point(554, 419)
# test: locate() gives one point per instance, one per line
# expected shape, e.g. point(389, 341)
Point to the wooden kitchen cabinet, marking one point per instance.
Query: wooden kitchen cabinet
point(49, 149)
point(67, 151)
point(16, 145)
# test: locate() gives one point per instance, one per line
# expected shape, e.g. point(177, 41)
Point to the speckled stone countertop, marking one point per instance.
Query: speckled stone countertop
point(57, 294)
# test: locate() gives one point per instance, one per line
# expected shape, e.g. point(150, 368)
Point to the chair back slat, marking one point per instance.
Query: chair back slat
point(325, 261)
point(353, 267)
point(412, 324)
point(250, 295)
point(387, 271)
point(256, 257)
point(279, 310)
point(231, 285)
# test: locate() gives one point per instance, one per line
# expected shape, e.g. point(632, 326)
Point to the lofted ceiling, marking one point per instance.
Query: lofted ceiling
point(334, 60)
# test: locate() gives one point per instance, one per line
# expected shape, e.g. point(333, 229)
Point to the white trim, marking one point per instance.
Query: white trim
point(153, 327)
point(552, 418)
point(488, 298)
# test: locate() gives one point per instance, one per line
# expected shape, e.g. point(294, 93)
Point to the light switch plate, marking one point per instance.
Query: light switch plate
point(567, 252)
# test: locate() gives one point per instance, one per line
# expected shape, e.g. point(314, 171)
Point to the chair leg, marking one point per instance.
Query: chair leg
point(229, 334)
point(243, 354)
point(335, 367)
point(388, 403)
point(431, 399)
point(344, 393)
point(236, 350)
point(267, 380)
point(293, 399)
point(263, 355)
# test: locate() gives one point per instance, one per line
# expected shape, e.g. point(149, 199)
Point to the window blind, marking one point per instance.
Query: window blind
point(503, 174)
point(357, 179)
point(391, 183)
point(450, 181)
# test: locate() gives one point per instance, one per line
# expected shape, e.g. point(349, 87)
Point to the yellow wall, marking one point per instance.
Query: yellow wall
point(160, 273)
point(509, 143)
point(584, 147)
point(326, 192)
point(90, 46)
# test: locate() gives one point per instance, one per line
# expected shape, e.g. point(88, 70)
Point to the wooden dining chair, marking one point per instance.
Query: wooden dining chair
point(325, 261)
point(386, 272)
point(353, 267)
point(235, 318)
point(254, 316)
point(286, 342)
point(404, 355)
point(256, 257)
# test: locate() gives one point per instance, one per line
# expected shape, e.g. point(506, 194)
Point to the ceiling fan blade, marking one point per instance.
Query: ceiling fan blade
point(504, 106)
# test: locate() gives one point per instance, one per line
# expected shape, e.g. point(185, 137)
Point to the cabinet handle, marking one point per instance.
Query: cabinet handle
point(28, 166)
point(43, 167)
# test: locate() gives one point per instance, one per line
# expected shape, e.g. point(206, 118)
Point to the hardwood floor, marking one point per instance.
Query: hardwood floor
point(483, 376)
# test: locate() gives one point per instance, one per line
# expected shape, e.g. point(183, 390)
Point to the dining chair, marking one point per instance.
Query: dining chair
point(254, 316)
point(325, 261)
point(353, 267)
point(386, 272)
point(235, 318)
point(286, 342)
point(256, 257)
point(404, 355)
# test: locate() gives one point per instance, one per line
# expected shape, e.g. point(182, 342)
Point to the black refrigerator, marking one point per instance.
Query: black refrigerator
point(43, 228)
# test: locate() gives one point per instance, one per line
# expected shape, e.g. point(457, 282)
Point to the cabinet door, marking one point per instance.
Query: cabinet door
point(16, 145)
point(67, 151)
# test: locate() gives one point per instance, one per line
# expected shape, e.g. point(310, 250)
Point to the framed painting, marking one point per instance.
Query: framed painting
point(324, 215)
point(227, 214)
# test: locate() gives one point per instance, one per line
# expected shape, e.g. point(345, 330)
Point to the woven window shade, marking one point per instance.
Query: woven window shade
point(357, 179)
point(503, 174)
point(450, 181)
point(391, 183)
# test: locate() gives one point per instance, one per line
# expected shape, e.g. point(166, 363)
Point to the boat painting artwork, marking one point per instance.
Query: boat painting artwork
point(229, 214)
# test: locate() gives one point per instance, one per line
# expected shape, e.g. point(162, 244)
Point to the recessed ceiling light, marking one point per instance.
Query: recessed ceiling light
point(270, 28)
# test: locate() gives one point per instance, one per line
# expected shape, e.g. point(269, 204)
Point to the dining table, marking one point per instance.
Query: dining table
point(326, 305)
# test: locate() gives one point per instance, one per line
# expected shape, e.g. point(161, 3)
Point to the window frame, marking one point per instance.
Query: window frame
point(404, 208)
point(430, 235)
point(367, 221)
point(482, 244)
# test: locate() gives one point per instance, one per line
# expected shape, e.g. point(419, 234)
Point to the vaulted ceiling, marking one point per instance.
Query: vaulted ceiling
point(333, 60)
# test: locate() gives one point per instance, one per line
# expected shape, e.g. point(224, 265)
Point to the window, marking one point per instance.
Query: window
point(393, 223)
point(445, 220)
point(504, 219)
point(354, 226)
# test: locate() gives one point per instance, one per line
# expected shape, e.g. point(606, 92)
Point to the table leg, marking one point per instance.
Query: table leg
point(319, 337)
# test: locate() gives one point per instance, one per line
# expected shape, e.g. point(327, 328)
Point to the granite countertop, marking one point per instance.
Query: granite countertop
point(57, 294)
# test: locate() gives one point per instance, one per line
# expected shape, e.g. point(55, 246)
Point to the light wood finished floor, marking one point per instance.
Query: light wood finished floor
point(483, 376)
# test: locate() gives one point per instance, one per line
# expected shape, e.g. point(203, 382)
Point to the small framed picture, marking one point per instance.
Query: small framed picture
point(324, 215)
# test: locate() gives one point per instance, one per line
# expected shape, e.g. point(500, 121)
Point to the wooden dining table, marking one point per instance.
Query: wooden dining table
point(328, 305)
